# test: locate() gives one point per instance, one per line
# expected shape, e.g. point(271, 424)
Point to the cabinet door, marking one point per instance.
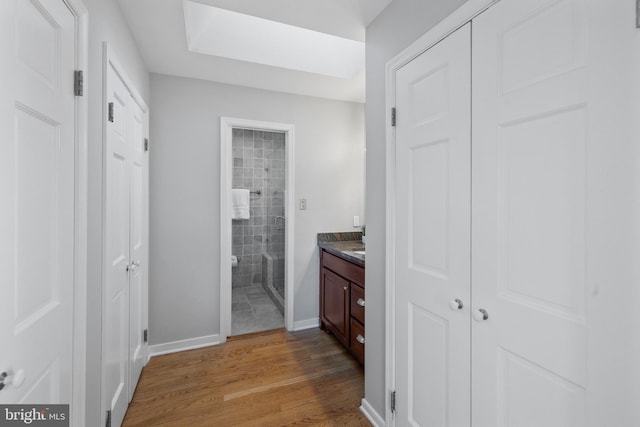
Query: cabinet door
point(432, 221)
point(336, 299)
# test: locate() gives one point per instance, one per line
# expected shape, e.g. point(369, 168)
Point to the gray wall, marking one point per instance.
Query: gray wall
point(399, 25)
point(185, 196)
point(106, 23)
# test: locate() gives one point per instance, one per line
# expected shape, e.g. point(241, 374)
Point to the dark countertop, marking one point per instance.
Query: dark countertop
point(343, 245)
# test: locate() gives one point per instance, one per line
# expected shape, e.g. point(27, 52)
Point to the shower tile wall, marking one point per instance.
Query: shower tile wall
point(258, 164)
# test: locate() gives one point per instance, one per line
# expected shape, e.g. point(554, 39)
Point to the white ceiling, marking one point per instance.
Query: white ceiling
point(159, 29)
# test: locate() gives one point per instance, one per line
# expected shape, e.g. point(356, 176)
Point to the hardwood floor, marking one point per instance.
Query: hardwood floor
point(270, 378)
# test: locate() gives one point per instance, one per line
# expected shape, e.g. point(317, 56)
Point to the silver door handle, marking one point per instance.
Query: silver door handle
point(133, 266)
point(360, 339)
point(456, 304)
point(9, 378)
point(480, 314)
point(360, 302)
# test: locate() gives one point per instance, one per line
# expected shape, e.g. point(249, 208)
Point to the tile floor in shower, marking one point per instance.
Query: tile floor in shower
point(252, 311)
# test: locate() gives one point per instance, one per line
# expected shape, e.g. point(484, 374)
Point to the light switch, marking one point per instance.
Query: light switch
point(303, 204)
point(356, 221)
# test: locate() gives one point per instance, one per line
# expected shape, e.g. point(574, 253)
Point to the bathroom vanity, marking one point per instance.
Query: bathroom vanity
point(342, 289)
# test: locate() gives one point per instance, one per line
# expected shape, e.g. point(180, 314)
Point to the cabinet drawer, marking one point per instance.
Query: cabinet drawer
point(357, 303)
point(357, 335)
point(344, 268)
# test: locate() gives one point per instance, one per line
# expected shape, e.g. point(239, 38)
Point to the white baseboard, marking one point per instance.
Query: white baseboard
point(182, 345)
point(371, 414)
point(306, 324)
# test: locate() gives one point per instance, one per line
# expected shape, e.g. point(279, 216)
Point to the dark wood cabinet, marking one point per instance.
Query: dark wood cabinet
point(335, 309)
point(342, 302)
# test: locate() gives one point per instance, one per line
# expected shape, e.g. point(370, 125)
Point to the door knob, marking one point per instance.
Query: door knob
point(361, 339)
point(360, 302)
point(456, 304)
point(480, 314)
point(9, 378)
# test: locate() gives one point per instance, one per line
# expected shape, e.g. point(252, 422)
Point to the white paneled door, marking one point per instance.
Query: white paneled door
point(539, 118)
point(37, 178)
point(137, 247)
point(516, 202)
point(116, 285)
point(124, 287)
point(432, 222)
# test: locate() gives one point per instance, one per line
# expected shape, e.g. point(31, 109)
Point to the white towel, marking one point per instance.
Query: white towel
point(240, 203)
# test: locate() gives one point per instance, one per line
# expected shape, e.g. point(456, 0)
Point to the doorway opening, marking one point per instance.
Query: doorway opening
point(256, 285)
point(257, 234)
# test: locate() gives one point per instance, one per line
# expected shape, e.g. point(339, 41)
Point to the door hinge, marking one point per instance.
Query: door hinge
point(393, 401)
point(111, 112)
point(78, 83)
point(393, 114)
point(146, 144)
point(108, 422)
point(145, 335)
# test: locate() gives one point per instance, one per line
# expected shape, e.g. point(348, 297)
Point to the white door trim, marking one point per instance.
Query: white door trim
point(226, 174)
point(78, 404)
point(451, 23)
point(111, 59)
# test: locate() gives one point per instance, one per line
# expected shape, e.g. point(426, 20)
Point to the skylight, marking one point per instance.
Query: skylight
point(220, 32)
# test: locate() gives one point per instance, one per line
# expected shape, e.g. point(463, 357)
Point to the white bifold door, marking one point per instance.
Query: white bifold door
point(125, 292)
point(514, 169)
point(37, 201)
point(531, 133)
point(433, 226)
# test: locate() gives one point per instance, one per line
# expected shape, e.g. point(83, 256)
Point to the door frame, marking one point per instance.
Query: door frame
point(448, 25)
point(227, 124)
point(79, 374)
point(109, 58)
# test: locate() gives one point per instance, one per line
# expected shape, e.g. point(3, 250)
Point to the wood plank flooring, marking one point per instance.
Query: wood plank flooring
point(272, 378)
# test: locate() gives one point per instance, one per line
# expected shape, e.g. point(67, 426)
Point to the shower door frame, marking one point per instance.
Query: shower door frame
point(227, 124)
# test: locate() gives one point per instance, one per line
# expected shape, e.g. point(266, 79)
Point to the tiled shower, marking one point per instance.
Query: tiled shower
point(259, 164)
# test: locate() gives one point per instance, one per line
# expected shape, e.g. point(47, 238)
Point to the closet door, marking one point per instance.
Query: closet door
point(137, 246)
point(550, 223)
point(432, 222)
point(117, 267)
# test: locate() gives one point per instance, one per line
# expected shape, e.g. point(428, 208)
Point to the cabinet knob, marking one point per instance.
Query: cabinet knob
point(345, 288)
point(360, 302)
point(360, 339)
